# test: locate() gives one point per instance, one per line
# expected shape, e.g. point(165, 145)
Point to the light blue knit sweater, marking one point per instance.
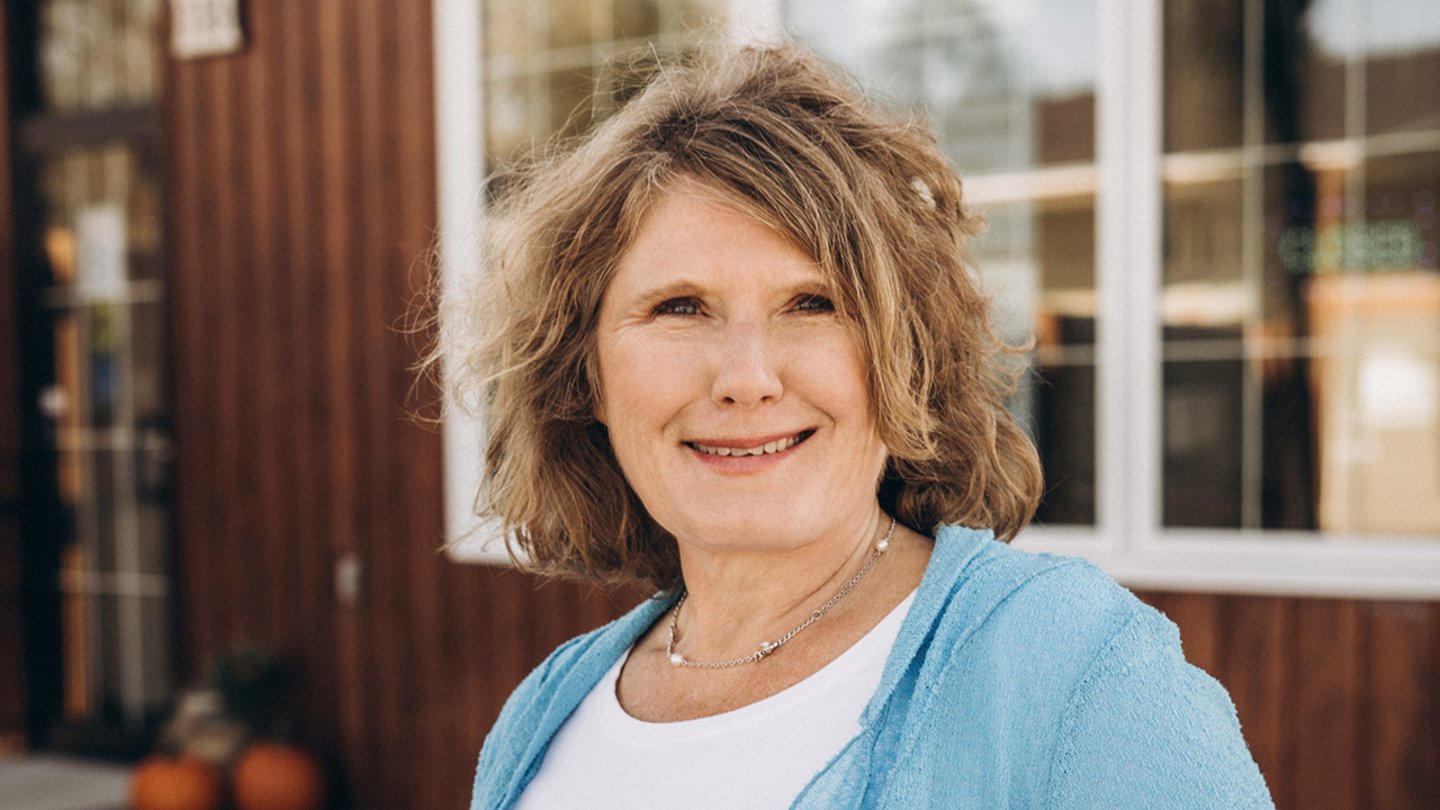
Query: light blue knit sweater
point(1018, 680)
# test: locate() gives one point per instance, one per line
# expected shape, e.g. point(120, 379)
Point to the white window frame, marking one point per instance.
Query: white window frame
point(1128, 538)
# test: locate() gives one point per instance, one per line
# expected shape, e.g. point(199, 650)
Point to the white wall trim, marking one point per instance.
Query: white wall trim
point(1254, 562)
point(460, 170)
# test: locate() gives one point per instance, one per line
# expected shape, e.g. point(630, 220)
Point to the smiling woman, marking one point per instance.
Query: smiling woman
point(728, 347)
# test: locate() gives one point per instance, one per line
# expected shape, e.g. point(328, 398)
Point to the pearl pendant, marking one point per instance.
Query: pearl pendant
point(677, 659)
point(883, 545)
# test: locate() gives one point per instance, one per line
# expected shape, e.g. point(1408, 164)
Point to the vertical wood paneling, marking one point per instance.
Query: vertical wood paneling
point(377, 195)
point(309, 539)
point(301, 197)
point(188, 223)
point(1323, 730)
point(1401, 757)
point(1254, 668)
point(338, 162)
point(265, 358)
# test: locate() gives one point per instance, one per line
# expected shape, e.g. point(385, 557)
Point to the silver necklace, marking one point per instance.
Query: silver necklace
point(768, 647)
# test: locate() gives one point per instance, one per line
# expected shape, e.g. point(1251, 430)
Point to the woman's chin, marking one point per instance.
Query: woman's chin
point(752, 529)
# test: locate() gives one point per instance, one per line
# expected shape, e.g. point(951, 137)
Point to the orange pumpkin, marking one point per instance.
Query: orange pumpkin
point(174, 783)
point(273, 776)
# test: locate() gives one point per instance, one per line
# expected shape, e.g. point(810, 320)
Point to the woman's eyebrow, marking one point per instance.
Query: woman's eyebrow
point(669, 289)
point(683, 287)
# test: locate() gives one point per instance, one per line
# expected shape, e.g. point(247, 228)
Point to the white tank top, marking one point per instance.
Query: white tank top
point(758, 756)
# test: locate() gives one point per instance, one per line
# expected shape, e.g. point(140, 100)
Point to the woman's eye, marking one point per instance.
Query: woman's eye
point(815, 303)
point(678, 306)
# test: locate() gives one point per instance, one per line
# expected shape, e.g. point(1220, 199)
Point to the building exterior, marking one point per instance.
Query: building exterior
point(1216, 218)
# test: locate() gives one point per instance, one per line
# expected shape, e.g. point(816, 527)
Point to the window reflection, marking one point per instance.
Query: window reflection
point(545, 61)
point(1204, 51)
point(98, 53)
point(1300, 290)
point(106, 413)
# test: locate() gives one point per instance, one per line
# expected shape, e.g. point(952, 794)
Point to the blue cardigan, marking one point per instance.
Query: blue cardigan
point(1018, 680)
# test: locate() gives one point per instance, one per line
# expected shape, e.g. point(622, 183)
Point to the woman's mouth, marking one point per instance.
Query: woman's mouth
point(759, 449)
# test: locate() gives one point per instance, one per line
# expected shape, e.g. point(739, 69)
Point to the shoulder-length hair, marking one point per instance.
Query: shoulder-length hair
point(868, 195)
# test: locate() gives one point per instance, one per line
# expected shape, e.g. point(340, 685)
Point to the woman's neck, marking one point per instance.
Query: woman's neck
point(736, 599)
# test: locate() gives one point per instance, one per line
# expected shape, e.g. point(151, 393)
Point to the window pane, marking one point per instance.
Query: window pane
point(572, 22)
point(636, 18)
point(1304, 76)
point(1401, 65)
point(569, 92)
point(1204, 58)
point(508, 107)
point(507, 28)
point(1202, 416)
point(1063, 425)
point(1204, 218)
point(1378, 402)
point(544, 62)
point(1008, 85)
point(1010, 88)
point(98, 53)
point(1300, 299)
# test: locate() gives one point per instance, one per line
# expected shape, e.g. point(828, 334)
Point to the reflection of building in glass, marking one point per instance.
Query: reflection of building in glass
point(1303, 159)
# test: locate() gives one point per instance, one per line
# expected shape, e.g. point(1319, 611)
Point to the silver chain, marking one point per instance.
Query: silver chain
point(769, 647)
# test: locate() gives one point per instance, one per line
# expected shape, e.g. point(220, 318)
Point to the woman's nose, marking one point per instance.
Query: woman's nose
point(748, 372)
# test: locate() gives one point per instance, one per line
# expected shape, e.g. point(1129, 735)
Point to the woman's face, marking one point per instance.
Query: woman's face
point(735, 396)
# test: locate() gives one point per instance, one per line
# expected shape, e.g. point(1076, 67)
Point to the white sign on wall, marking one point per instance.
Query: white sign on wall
point(100, 252)
point(205, 28)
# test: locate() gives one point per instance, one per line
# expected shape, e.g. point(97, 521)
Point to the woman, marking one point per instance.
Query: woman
point(730, 350)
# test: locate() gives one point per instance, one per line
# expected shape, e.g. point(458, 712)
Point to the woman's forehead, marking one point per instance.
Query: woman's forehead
point(694, 238)
point(722, 196)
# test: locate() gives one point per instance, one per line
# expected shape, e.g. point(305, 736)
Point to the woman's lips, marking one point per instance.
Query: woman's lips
point(759, 446)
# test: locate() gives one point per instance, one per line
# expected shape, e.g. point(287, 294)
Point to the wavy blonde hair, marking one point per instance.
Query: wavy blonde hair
point(868, 195)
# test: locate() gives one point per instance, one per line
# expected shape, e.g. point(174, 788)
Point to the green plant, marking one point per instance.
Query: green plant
point(250, 680)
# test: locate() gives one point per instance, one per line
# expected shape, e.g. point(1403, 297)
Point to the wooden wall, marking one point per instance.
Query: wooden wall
point(301, 198)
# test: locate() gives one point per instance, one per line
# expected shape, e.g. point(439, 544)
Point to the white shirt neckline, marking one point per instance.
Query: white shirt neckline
point(876, 643)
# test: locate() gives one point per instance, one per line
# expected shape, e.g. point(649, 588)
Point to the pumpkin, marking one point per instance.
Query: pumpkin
point(174, 783)
point(275, 776)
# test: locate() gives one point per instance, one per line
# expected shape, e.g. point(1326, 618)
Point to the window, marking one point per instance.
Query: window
point(1218, 222)
point(1301, 337)
point(93, 315)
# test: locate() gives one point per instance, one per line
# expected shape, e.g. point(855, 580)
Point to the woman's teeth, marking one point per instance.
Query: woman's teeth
point(764, 449)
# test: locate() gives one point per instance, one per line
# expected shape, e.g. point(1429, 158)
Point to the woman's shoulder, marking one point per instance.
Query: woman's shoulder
point(542, 701)
point(1052, 654)
point(1003, 588)
point(1043, 620)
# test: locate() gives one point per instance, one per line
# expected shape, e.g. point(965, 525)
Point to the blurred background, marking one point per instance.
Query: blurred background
point(1216, 218)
